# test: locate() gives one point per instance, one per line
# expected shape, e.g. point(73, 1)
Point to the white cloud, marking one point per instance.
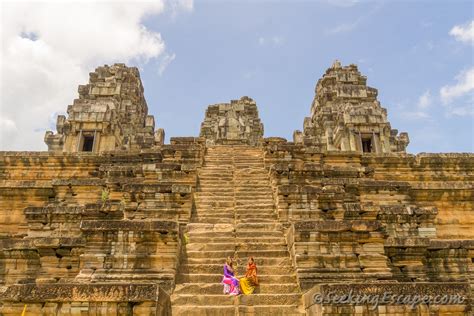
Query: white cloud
point(345, 27)
point(418, 112)
point(167, 59)
point(426, 24)
point(343, 3)
point(424, 101)
point(187, 5)
point(7, 125)
point(176, 6)
point(48, 49)
point(350, 26)
point(463, 87)
point(464, 33)
point(250, 73)
point(415, 115)
point(273, 40)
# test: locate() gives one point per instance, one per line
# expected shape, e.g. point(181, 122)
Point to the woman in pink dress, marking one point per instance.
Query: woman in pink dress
point(230, 282)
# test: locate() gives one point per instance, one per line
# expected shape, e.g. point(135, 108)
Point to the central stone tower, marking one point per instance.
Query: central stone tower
point(236, 122)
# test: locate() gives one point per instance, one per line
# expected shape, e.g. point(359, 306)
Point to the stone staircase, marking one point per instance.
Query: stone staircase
point(235, 216)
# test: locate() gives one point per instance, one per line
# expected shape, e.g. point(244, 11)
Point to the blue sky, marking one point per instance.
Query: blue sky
point(275, 52)
point(418, 54)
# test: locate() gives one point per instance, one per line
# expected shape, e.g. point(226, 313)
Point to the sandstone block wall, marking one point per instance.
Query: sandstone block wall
point(110, 219)
point(352, 222)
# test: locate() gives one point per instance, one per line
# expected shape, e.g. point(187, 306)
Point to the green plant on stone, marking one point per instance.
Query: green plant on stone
point(104, 196)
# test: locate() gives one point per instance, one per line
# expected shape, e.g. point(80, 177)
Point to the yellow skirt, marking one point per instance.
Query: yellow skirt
point(246, 285)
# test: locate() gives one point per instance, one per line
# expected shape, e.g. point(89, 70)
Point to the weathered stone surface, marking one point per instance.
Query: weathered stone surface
point(234, 122)
point(81, 292)
point(346, 116)
point(70, 299)
point(110, 114)
point(381, 298)
point(108, 232)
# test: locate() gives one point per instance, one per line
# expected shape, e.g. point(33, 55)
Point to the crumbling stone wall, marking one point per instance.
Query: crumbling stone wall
point(346, 116)
point(104, 218)
point(234, 122)
point(111, 113)
point(367, 218)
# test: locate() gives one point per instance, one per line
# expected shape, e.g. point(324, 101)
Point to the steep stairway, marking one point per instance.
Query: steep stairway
point(235, 216)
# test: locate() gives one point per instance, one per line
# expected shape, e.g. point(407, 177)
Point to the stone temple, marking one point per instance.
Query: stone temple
point(113, 221)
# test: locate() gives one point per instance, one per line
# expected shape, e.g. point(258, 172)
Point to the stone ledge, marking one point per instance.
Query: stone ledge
point(451, 244)
point(41, 242)
point(161, 226)
point(100, 292)
point(432, 288)
point(24, 184)
point(185, 140)
point(404, 242)
point(78, 182)
point(337, 226)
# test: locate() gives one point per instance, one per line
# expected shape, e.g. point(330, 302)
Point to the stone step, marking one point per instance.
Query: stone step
point(216, 190)
point(212, 174)
point(237, 240)
point(217, 278)
point(244, 210)
point(248, 206)
point(208, 185)
point(223, 169)
point(185, 310)
point(241, 212)
point(262, 189)
point(239, 152)
point(250, 233)
point(250, 174)
point(223, 233)
point(235, 183)
point(214, 195)
point(256, 219)
point(225, 218)
point(275, 261)
point(225, 300)
point(215, 175)
point(257, 189)
point(262, 216)
point(192, 299)
point(214, 220)
point(241, 253)
point(217, 288)
point(274, 310)
point(258, 227)
point(232, 245)
point(204, 227)
point(218, 268)
point(231, 200)
point(209, 211)
point(270, 299)
point(254, 163)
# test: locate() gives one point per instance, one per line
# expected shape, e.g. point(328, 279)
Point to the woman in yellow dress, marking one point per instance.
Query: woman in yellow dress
point(250, 281)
